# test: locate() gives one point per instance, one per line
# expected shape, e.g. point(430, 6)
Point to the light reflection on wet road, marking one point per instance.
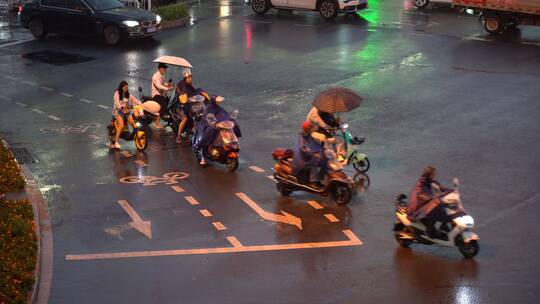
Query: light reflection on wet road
point(432, 95)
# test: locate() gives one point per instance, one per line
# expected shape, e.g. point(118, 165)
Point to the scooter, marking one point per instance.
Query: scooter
point(138, 134)
point(336, 182)
point(225, 147)
point(346, 146)
point(455, 233)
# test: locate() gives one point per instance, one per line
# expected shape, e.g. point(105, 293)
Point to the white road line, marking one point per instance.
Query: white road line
point(54, 118)
point(141, 163)
point(94, 136)
point(38, 111)
point(205, 212)
point(219, 226)
point(126, 154)
point(331, 218)
point(177, 188)
point(352, 240)
point(256, 169)
point(85, 100)
point(29, 83)
point(271, 177)
point(531, 43)
point(66, 94)
point(5, 98)
point(11, 78)
point(47, 89)
point(21, 104)
point(315, 205)
point(192, 200)
point(16, 42)
point(103, 107)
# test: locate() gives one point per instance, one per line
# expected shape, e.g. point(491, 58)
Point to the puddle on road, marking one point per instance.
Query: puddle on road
point(57, 58)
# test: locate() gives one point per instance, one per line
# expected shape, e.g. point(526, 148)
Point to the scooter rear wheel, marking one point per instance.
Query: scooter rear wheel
point(283, 188)
point(341, 194)
point(111, 133)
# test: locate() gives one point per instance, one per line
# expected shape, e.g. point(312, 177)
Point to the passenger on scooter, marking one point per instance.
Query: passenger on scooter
point(424, 206)
point(309, 153)
point(123, 102)
point(186, 84)
point(160, 90)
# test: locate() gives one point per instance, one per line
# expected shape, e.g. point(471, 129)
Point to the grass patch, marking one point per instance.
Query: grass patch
point(18, 250)
point(10, 176)
point(172, 11)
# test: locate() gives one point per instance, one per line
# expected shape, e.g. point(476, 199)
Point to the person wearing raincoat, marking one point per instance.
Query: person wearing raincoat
point(207, 130)
point(309, 153)
point(424, 206)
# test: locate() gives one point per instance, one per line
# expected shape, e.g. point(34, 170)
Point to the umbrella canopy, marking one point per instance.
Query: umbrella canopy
point(336, 100)
point(172, 60)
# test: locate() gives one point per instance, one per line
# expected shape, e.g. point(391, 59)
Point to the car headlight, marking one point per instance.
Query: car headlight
point(158, 18)
point(130, 23)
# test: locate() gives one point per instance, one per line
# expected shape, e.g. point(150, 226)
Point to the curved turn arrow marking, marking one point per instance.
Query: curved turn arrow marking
point(285, 217)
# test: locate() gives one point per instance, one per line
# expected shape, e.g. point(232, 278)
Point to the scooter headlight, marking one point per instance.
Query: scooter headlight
point(138, 124)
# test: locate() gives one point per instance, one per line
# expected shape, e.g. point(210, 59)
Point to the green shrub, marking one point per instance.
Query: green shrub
point(172, 12)
point(18, 250)
point(10, 176)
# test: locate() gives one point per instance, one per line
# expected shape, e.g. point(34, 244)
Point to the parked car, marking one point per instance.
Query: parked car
point(327, 8)
point(107, 18)
point(423, 3)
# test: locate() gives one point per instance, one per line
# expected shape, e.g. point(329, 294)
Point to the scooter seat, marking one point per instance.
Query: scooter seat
point(282, 153)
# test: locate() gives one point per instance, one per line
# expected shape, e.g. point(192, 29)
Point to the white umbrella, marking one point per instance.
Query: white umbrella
point(173, 60)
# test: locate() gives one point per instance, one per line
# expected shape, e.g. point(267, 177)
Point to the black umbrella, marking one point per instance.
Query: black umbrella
point(337, 100)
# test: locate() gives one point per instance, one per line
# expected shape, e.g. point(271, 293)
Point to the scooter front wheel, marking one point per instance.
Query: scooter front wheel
point(341, 194)
point(111, 133)
point(403, 242)
point(141, 141)
point(361, 166)
point(232, 164)
point(470, 249)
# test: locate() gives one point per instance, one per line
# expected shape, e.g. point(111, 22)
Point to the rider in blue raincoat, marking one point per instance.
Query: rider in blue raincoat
point(309, 153)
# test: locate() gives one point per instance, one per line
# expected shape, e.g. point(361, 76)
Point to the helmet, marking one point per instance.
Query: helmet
point(186, 72)
point(306, 126)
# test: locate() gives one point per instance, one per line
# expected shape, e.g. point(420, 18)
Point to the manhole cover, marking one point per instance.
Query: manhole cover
point(57, 58)
point(23, 156)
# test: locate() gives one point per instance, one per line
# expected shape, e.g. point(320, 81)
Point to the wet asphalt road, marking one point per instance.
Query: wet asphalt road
point(437, 91)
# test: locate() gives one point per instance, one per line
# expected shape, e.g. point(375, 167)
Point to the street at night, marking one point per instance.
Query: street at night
point(157, 227)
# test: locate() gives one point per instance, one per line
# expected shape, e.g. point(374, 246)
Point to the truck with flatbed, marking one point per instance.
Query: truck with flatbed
point(499, 15)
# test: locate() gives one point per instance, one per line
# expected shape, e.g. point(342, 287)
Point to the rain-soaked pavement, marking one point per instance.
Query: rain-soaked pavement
point(437, 91)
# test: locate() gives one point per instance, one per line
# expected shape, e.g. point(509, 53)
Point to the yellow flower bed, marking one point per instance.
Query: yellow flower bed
point(18, 250)
point(10, 176)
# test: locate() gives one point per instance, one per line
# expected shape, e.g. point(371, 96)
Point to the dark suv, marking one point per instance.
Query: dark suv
point(108, 18)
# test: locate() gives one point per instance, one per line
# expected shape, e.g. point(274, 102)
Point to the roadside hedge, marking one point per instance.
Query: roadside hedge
point(18, 250)
point(172, 11)
point(10, 176)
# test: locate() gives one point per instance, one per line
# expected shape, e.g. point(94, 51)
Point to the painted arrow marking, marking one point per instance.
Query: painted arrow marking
point(286, 218)
point(143, 227)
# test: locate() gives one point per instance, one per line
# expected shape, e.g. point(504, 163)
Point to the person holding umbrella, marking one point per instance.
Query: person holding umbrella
point(328, 102)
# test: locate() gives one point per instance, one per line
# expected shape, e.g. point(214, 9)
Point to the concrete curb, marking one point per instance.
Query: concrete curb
point(44, 267)
point(43, 230)
point(166, 25)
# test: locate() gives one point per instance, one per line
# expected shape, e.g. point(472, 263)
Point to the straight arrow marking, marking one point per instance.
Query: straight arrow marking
point(286, 218)
point(143, 227)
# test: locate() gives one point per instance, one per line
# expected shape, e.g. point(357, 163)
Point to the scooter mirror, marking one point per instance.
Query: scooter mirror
point(344, 126)
point(455, 181)
point(234, 114)
point(140, 89)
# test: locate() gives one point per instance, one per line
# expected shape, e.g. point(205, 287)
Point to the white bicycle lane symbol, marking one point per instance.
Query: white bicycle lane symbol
point(82, 128)
point(169, 178)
